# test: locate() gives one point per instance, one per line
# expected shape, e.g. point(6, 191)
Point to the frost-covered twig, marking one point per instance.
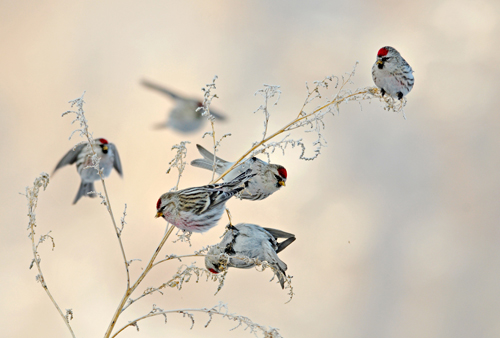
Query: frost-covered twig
point(314, 119)
point(221, 310)
point(132, 288)
point(186, 272)
point(268, 92)
point(178, 161)
point(32, 197)
point(84, 132)
point(207, 101)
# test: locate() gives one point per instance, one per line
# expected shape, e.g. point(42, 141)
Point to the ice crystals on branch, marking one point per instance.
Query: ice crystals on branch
point(268, 92)
point(220, 310)
point(178, 161)
point(84, 130)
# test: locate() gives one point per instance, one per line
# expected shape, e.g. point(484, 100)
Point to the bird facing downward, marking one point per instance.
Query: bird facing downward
point(392, 74)
point(185, 116)
point(252, 241)
point(269, 178)
point(82, 155)
point(199, 209)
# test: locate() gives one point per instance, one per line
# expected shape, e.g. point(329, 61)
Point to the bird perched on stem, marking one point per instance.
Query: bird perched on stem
point(82, 155)
point(392, 74)
point(254, 242)
point(269, 178)
point(199, 209)
point(185, 116)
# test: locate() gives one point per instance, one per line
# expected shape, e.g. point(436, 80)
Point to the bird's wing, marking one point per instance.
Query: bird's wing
point(117, 164)
point(270, 256)
point(161, 89)
point(217, 115)
point(71, 156)
point(278, 233)
point(281, 234)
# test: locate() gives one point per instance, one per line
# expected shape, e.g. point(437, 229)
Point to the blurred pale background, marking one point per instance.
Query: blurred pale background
point(397, 222)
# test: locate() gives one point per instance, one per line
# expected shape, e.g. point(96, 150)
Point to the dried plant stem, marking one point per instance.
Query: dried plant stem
point(44, 285)
point(84, 131)
point(271, 333)
point(132, 288)
point(36, 257)
point(118, 232)
point(214, 167)
point(178, 257)
point(287, 127)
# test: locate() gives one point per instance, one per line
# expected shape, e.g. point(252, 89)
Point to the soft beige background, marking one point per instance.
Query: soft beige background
point(397, 222)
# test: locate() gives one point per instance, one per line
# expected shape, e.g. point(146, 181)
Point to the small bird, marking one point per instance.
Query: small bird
point(251, 241)
point(184, 117)
point(82, 155)
point(392, 74)
point(199, 209)
point(269, 178)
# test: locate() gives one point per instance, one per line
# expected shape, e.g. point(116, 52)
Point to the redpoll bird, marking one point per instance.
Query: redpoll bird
point(184, 116)
point(269, 177)
point(82, 155)
point(392, 74)
point(251, 241)
point(199, 209)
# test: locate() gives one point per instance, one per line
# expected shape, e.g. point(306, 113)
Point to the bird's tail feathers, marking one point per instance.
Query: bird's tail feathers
point(280, 273)
point(278, 233)
point(284, 244)
point(85, 188)
point(207, 161)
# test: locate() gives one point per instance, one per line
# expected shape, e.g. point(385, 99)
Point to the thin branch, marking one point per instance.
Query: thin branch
point(84, 132)
point(302, 116)
point(220, 310)
point(32, 196)
point(131, 289)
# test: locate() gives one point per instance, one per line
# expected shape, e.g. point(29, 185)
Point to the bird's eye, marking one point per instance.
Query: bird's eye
point(385, 59)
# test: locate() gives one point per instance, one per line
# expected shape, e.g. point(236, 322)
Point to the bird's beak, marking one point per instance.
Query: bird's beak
point(282, 183)
point(379, 62)
point(159, 214)
point(105, 148)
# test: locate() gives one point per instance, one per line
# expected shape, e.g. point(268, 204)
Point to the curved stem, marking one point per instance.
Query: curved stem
point(41, 279)
point(176, 257)
point(118, 234)
point(131, 289)
point(282, 130)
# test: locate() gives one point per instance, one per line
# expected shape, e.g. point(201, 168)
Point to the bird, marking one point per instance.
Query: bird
point(392, 74)
point(199, 209)
point(82, 156)
point(185, 116)
point(269, 178)
point(252, 241)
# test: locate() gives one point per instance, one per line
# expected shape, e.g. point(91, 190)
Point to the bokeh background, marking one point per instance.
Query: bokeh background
point(397, 222)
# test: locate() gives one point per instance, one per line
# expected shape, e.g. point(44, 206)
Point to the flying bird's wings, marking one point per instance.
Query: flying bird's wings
point(161, 89)
point(117, 164)
point(70, 156)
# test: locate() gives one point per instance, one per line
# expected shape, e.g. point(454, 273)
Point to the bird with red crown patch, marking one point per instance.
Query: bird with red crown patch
point(269, 177)
point(82, 156)
point(199, 209)
point(392, 74)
